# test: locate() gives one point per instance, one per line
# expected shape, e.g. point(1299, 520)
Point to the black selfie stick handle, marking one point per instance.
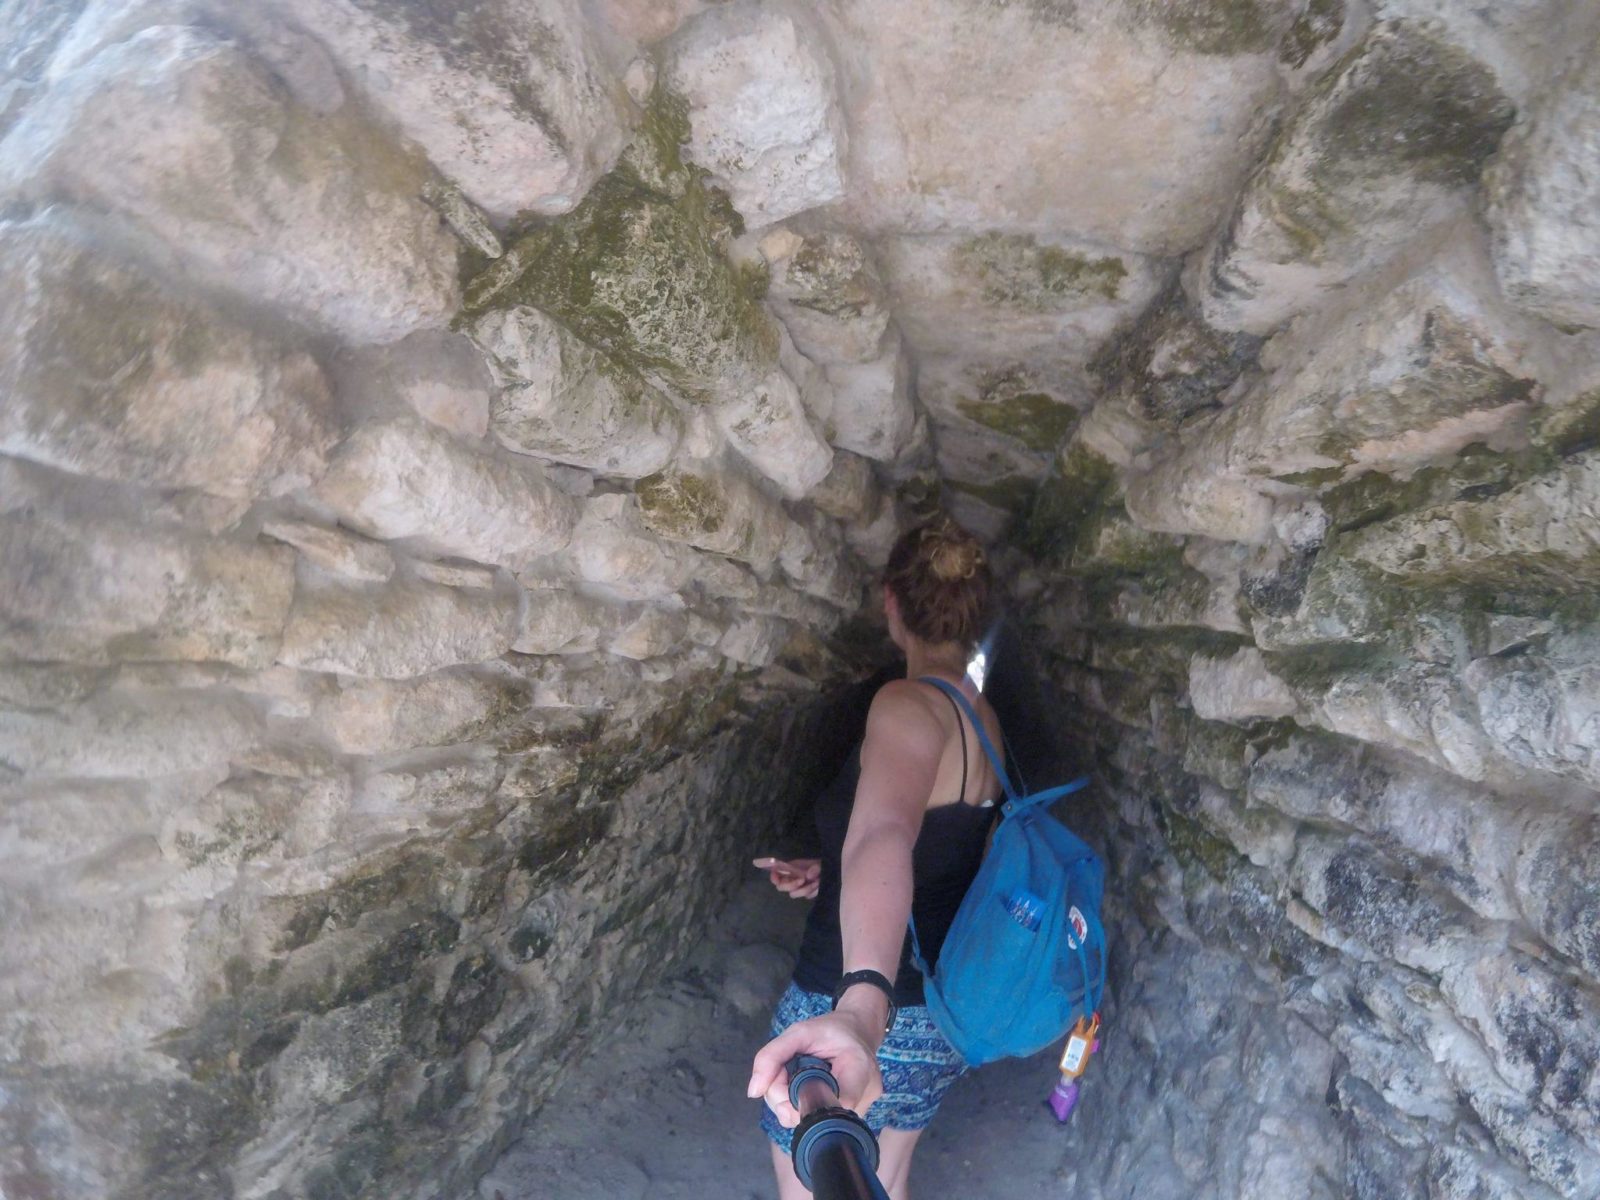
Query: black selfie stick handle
point(835, 1154)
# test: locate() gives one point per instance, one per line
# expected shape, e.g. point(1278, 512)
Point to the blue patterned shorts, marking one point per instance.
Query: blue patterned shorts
point(917, 1064)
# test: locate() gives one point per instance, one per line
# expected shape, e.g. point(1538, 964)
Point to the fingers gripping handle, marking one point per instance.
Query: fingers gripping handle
point(835, 1154)
point(811, 1084)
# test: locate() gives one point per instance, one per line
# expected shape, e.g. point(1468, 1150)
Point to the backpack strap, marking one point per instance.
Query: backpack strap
point(1014, 802)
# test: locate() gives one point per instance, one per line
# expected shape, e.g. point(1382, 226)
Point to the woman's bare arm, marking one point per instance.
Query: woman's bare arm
point(899, 762)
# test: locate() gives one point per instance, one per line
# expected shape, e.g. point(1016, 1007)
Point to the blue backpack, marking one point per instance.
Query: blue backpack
point(1026, 954)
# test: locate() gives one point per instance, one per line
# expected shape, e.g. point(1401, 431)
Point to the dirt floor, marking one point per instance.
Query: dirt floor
point(659, 1111)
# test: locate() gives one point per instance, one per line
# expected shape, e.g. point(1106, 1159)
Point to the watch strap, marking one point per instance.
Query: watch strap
point(878, 980)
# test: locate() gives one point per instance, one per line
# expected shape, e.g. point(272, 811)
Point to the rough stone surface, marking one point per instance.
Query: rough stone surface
point(440, 377)
point(1543, 198)
point(770, 428)
point(107, 373)
point(827, 291)
point(392, 681)
point(251, 191)
point(407, 479)
point(408, 626)
point(763, 115)
point(512, 100)
point(560, 398)
point(90, 581)
point(1390, 145)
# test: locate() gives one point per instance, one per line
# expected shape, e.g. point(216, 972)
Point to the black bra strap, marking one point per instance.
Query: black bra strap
point(961, 732)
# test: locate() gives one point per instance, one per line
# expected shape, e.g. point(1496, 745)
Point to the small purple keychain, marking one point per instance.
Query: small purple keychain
point(1082, 1042)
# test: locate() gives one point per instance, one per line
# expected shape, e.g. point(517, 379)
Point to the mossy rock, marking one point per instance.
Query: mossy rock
point(1066, 501)
point(640, 270)
point(1015, 271)
point(1008, 406)
point(1217, 27)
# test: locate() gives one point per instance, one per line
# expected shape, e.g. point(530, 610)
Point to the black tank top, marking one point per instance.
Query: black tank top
point(947, 854)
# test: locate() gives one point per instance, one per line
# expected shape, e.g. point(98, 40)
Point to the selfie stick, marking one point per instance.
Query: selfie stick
point(835, 1154)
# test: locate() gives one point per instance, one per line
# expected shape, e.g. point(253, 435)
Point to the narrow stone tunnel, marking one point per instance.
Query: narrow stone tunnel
point(447, 451)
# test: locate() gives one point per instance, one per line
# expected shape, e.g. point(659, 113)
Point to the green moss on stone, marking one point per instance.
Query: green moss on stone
point(1066, 500)
point(639, 269)
point(1421, 105)
point(681, 504)
point(1217, 27)
point(1313, 29)
point(1012, 494)
point(1193, 845)
point(1573, 428)
point(1038, 420)
point(1015, 270)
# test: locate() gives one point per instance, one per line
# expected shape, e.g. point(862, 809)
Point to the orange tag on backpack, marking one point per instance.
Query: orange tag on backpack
point(1080, 1044)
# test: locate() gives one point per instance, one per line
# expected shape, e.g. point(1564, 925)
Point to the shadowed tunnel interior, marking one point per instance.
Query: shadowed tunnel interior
point(447, 453)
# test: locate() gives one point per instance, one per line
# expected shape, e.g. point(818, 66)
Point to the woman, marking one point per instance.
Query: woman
point(903, 831)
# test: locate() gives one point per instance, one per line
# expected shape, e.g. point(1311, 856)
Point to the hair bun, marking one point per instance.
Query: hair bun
point(955, 554)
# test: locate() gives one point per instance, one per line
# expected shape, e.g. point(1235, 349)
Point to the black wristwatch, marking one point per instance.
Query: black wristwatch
point(877, 980)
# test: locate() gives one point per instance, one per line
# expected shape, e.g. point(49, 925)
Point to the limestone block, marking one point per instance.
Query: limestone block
point(874, 539)
point(712, 508)
point(1238, 688)
point(1556, 884)
point(1021, 117)
point(1541, 710)
point(1175, 364)
point(398, 630)
point(131, 734)
point(826, 290)
point(513, 99)
point(1385, 148)
point(387, 716)
point(255, 194)
point(410, 800)
point(300, 61)
point(873, 413)
point(770, 429)
point(1546, 530)
point(615, 550)
point(986, 521)
point(1038, 408)
point(754, 641)
point(1414, 810)
point(1544, 191)
point(1177, 493)
point(560, 398)
point(90, 587)
point(1003, 298)
point(107, 373)
point(652, 633)
point(559, 621)
point(1403, 380)
point(405, 478)
point(438, 376)
point(991, 469)
point(334, 550)
point(1341, 603)
point(1514, 1002)
point(1418, 708)
point(639, 270)
point(850, 491)
point(815, 558)
point(647, 21)
point(763, 116)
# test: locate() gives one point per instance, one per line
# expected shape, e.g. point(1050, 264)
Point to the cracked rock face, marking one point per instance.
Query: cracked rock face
point(443, 460)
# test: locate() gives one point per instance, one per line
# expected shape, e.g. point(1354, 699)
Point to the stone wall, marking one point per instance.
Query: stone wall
point(444, 455)
point(1315, 581)
point(410, 624)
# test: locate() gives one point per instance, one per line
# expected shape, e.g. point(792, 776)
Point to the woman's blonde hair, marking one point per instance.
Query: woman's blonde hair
point(940, 575)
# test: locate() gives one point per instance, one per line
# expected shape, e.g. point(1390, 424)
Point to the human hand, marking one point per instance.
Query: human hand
point(798, 878)
point(843, 1039)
